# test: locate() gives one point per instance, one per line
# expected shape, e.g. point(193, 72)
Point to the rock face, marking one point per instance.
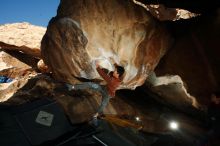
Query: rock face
point(195, 57)
point(14, 39)
point(164, 13)
point(173, 91)
point(15, 69)
point(85, 31)
point(22, 36)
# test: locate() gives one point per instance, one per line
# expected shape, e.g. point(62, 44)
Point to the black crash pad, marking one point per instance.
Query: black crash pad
point(32, 123)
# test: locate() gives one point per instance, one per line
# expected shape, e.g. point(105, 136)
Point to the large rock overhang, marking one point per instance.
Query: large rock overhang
point(85, 31)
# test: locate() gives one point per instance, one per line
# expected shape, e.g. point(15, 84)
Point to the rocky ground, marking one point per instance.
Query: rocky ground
point(29, 84)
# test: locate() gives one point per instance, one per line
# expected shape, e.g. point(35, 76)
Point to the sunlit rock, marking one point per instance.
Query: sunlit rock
point(4, 64)
point(17, 71)
point(22, 36)
point(173, 90)
point(7, 90)
point(42, 66)
point(85, 31)
point(163, 13)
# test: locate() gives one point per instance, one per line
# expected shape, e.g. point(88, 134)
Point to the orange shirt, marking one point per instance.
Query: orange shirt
point(112, 82)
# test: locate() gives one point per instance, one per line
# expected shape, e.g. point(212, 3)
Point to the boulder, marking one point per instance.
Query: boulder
point(108, 31)
point(22, 37)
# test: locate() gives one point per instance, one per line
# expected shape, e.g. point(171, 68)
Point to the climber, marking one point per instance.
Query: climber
point(113, 80)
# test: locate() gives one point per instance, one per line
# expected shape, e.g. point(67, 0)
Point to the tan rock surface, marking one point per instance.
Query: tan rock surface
point(173, 90)
point(87, 31)
point(22, 36)
point(164, 13)
point(15, 69)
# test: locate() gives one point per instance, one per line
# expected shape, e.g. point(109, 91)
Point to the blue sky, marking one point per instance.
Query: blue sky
point(36, 12)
